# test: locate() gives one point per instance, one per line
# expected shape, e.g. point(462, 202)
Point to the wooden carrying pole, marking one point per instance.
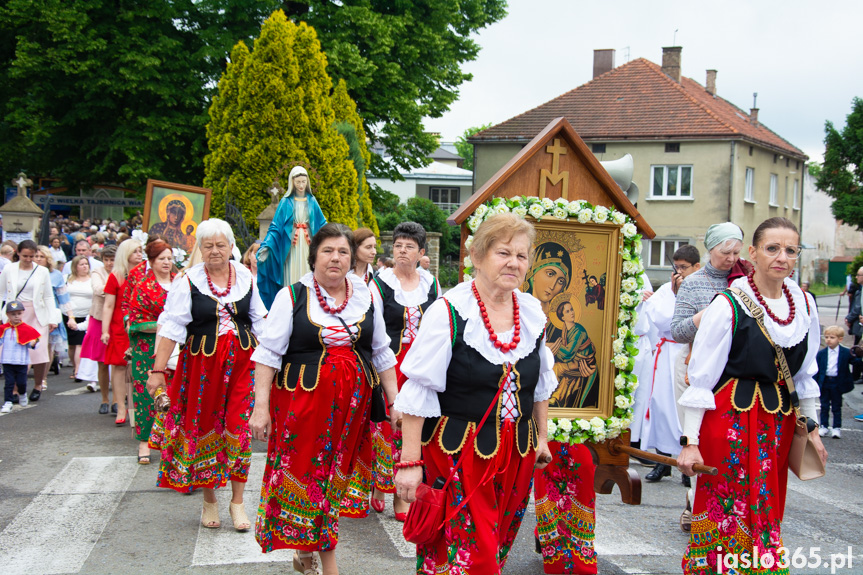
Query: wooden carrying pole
point(616, 446)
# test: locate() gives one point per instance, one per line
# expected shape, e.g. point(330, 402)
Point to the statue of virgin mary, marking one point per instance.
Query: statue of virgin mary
point(284, 253)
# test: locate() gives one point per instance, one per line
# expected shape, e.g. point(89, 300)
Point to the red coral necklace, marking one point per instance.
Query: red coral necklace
point(763, 303)
point(323, 302)
point(516, 337)
point(213, 288)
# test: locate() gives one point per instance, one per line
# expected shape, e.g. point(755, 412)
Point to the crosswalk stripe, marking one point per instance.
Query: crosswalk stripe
point(224, 546)
point(57, 530)
point(17, 408)
point(823, 492)
point(393, 530)
point(75, 391)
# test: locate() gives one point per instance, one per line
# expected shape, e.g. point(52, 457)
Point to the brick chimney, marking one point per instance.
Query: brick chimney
point(710, 86)
point(753, 115)
point(603, 61)
point(671, 62)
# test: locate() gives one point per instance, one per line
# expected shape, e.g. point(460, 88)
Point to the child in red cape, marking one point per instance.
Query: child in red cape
point(16, 339)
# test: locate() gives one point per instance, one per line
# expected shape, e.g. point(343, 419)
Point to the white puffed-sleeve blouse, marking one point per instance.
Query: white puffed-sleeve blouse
point(713, 343)
point(411, 300)
point(178, 305)
point(274, 339)
point(426, 364)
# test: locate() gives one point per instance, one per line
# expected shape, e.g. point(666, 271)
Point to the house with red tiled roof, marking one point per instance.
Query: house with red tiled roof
point(699, 159)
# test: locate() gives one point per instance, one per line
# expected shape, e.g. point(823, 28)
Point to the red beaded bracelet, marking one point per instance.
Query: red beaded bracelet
point(162, 371)
point(406, 464)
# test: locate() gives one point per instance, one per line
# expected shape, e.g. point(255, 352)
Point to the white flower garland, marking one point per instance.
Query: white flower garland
point(575, 431)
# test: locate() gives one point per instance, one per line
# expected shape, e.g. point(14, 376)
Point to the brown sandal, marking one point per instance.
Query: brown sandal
point(210, 515)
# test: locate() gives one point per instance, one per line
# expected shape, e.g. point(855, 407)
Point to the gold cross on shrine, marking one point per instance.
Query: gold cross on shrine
point(555, 176)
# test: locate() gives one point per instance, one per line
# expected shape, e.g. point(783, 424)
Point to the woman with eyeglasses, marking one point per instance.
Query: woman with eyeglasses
point(737, 409)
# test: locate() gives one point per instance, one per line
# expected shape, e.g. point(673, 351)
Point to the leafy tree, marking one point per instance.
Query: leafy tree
point(274, 109)
point(401, 62)
point(103, 91)
point(423, 211)
point(465, 149)
point(841, 173)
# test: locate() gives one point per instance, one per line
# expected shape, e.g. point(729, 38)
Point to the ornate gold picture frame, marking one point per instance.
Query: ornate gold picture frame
point(575, 274)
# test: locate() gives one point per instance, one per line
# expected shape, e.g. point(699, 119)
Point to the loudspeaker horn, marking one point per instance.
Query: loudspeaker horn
point(620, 171)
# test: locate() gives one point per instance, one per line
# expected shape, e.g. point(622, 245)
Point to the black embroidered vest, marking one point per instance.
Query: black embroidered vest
point(306, 353)
point(395, 314)
point(471, 385)
point(752, 365)
point(203, 330)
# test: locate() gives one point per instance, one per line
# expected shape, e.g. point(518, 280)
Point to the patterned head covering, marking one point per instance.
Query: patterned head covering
point(551, 254)
point(719, 233)
point(176, 204)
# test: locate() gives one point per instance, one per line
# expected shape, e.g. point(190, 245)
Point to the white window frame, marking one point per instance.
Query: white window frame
point(786, 192)
point(796, 195)
point(664, 195)
point(449, 190)
point(749, 187)
point(774, 190)
point(663, 260)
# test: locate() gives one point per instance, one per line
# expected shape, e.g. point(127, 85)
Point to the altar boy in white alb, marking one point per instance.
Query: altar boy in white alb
point(661, 427)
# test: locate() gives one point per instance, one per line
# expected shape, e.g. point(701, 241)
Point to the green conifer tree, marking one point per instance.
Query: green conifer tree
point(346, 111)
point(274, 110)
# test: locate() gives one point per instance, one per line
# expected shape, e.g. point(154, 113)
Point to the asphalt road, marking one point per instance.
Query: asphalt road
point(74, 500)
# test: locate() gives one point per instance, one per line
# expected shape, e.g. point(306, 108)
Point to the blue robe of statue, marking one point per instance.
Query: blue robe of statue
point(278, 242)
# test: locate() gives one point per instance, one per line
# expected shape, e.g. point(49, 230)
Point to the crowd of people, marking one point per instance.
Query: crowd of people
point(364, 379)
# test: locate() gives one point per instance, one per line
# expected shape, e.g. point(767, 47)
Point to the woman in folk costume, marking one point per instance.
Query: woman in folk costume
point(404, 292)
point(214, 309)
point(283, 256)
point(322, 353)
point(481, 350)
point(366, 245)
point(738, 412)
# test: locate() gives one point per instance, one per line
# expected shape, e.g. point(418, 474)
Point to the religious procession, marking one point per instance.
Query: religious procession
point(580, 340)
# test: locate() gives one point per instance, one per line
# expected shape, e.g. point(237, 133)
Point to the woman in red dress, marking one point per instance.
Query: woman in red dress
point(114, 335)
point(214, 310)
point(323, 351)
point(144, 303)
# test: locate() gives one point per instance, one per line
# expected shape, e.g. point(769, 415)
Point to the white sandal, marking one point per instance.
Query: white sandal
point(239, 517)
point(210, 515)
point(300, 567)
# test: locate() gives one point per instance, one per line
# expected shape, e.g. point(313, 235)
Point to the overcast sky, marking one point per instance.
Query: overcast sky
point(804, 59)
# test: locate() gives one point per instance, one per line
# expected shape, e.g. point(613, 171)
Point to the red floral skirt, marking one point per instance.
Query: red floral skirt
point(742, 507)
point(476, 541)
point(378, 452)
point(311, 456)
point(565, 510)
point(204, 438)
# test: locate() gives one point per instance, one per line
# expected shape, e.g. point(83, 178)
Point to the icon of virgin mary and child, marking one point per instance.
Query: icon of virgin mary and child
point(574, 353)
